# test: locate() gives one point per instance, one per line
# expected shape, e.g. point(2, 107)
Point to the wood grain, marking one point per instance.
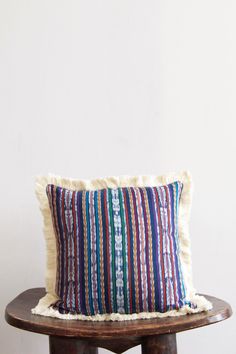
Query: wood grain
point(18, 315)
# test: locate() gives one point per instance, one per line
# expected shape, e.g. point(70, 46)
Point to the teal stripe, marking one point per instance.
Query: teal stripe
point(114, 304)
point(123, 225)
point(89, 255)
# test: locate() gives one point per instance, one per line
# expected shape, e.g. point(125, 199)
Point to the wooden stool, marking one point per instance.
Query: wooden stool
point(157, 336)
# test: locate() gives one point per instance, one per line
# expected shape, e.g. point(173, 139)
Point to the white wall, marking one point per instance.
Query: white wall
point(91, 88)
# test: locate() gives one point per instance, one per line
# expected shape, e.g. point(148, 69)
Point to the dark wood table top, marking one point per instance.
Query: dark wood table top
point(18, 314)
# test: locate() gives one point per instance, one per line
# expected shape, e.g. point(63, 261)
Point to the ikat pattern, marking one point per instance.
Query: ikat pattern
point(117, 249)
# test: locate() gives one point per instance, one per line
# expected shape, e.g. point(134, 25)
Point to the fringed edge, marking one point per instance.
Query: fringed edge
point(44, 308)
point(114, 182)
point(44, 304)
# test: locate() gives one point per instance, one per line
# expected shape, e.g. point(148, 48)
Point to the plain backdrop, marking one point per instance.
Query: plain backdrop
point(93, 88)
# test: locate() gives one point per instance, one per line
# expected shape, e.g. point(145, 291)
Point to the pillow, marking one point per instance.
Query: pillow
point(117, 248)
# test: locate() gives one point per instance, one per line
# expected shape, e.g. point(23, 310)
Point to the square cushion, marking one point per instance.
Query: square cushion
point(117, 248)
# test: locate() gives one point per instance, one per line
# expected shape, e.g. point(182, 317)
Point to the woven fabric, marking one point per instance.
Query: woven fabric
point(117, 250)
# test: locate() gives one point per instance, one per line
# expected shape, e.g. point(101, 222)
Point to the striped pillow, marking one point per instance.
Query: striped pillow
point(118, 252)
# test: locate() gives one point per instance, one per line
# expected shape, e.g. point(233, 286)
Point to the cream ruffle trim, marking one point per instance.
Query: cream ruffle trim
point(202, 305)
point(43, 307)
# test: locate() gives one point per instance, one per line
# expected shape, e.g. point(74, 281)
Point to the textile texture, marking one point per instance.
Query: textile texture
point(117, 249)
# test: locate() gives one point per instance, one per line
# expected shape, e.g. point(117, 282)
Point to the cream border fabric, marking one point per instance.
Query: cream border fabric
point(43, 307)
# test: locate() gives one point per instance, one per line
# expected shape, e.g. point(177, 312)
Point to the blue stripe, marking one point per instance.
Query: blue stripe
point(112, 254)
point(155, 250)
point(106, 269)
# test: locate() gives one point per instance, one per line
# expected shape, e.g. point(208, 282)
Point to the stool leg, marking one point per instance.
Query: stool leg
point(63, 345)
point(161, 344)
